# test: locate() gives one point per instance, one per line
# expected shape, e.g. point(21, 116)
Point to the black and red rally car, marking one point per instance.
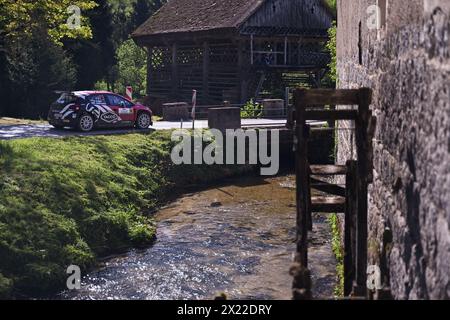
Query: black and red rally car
point(86, 110)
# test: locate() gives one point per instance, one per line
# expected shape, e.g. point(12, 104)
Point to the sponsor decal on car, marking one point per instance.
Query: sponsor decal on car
point(110, 117)
point(65, 112)
point(103, 112)
point(94, 110)
point(125, 111)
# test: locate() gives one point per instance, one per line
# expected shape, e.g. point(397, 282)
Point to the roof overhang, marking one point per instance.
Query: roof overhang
point(169, 38)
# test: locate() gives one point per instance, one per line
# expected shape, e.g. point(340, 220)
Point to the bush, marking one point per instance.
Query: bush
point(251, 110)
point(5, 287)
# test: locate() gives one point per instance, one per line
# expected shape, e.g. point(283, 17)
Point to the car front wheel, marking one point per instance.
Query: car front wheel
point(85, 123)
point(143, 121)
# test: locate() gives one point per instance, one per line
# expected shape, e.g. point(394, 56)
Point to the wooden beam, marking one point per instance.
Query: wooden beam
point(328, 204)
point(328, 188)
point(320, 97)
point(333, 115)
point(328, 170)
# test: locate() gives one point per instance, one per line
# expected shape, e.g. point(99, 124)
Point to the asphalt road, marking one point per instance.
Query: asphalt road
point(9, 132)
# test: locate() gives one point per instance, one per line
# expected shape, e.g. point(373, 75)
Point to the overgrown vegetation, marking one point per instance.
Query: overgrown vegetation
point(338, 252)
point(332, 4)
point(72, 200)
point(331, 46)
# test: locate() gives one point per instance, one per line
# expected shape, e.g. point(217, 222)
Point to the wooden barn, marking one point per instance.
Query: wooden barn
point(233, 50)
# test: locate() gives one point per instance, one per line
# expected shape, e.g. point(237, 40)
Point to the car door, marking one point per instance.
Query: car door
point(98, 107)
point(123, 109)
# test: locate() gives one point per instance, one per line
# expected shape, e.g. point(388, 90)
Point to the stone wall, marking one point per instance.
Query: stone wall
point(407, 64)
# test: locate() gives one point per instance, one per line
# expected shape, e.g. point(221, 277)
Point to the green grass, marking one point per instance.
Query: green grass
point(338, 252)
point(73, 200)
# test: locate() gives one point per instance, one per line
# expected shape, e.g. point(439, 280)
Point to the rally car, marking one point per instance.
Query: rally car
point(86, 110)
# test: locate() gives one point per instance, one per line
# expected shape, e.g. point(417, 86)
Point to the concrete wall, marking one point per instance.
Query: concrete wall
point(407, 64)
point(224, 118)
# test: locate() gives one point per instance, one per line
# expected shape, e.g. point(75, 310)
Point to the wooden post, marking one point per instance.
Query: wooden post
point(309, 201)
point(242, 73)
point(362, 144)
point(302, 276)
point(302, 179)
point(205, 80)
point(175, 80)
point(149, 68)
point(349, 227)
point(285, 50)
point(251, 50)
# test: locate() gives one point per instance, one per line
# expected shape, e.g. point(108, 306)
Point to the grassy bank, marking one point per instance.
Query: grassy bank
point(70, 201)
point(14, 122)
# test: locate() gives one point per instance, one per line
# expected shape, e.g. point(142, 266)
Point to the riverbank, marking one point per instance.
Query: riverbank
point(72, 200)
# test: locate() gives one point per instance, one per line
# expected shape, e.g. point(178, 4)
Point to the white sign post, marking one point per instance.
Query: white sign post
point(129, 93)
point(194, 105)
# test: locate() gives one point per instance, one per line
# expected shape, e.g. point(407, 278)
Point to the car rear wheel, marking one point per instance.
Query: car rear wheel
point(143, 121)
point(85, 123)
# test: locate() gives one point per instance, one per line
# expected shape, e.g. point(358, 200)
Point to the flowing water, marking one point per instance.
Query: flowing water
point(237, 240)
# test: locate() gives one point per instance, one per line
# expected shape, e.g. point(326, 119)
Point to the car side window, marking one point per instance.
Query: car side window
point(97, 99)
point(118, 101)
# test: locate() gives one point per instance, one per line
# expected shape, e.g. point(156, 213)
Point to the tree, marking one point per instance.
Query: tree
point(95, 57)
point(37, 67)
point(33, 62)
point(19, 17)
point(143, 9)
point(132, 67)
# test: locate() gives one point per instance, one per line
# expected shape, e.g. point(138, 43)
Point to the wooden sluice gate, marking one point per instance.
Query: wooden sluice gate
point(352, 200)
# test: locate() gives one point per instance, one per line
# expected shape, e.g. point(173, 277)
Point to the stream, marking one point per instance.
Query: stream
point(236, 240)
